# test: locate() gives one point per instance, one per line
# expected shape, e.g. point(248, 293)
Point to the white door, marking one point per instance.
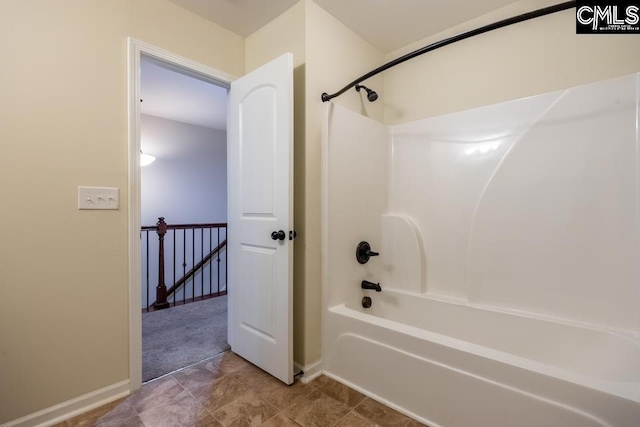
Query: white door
point(260, 204)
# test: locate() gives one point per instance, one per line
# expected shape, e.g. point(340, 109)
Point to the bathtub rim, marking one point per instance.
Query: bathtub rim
point(630, 392)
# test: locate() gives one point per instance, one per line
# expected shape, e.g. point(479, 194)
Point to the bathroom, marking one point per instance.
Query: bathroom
point(504, 213)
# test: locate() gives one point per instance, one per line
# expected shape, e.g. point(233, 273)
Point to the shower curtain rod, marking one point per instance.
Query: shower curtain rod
point(500, 24)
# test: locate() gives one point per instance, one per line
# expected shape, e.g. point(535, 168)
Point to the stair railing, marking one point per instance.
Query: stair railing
point(205, 266)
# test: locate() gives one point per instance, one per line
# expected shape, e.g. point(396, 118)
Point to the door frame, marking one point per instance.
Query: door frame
point(136, 49)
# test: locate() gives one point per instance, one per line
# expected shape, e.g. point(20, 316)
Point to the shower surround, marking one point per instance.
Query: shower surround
point(509, 240)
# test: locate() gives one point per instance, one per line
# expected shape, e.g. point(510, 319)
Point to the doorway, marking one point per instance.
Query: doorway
point(185, 185)
point(260, 206)
point(183, 126)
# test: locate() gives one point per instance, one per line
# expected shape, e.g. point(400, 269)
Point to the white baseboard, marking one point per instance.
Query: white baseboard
point(311, 372)
point(69, 409)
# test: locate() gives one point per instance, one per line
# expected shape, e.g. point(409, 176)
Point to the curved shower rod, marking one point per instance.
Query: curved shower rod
point(490, 27)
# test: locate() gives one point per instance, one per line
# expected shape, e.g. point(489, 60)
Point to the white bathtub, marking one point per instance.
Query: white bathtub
point(528, 205)
point(454, 365)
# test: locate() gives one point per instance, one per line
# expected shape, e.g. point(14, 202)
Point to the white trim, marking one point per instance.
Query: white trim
point(140, 47)
point(136, 48)
point(69, 409)
point(135, 281)
point(311, 372)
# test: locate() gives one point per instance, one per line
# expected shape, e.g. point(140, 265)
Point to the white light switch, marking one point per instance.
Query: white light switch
point(97, 198)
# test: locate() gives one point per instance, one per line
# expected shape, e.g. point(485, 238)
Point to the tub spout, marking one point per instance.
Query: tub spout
point(373, 286)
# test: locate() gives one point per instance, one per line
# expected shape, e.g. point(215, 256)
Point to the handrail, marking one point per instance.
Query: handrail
point(186, 226)
point(195, 268)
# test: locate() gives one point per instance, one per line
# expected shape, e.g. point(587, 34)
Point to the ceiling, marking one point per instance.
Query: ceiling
point(172, 95)
point(386, 24)
point(242, 17)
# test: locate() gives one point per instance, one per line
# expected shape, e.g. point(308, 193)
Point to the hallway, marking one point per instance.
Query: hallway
point(183, 335)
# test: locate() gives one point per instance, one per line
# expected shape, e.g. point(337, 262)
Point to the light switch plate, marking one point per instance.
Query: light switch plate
point(98, 198)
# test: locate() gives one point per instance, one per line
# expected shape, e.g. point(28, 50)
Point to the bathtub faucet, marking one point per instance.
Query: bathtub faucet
point(373, 286)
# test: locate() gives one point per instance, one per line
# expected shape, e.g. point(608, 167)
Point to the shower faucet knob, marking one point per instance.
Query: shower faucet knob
point(364, 252)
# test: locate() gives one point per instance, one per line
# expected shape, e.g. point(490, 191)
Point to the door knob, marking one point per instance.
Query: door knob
point(278, 235)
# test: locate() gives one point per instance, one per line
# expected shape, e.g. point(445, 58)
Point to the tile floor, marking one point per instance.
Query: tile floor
point(229, 391)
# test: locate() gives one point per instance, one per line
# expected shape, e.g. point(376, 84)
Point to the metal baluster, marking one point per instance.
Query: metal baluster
point(147, 232)
point(174, 267)
point(193, 263)
point(210, 263)
point(226, 258)
point(218, 293)
point(184, 264)
point(202, 269)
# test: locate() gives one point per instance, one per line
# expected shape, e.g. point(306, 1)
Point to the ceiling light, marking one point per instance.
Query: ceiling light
point(146, 159)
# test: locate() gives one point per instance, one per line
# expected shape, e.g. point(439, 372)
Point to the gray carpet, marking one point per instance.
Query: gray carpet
point(181, 336)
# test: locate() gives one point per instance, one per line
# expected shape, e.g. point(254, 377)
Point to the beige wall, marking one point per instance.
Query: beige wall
point(286, 33)
point(529, 58)
point(335, 57)
point(63, 123)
